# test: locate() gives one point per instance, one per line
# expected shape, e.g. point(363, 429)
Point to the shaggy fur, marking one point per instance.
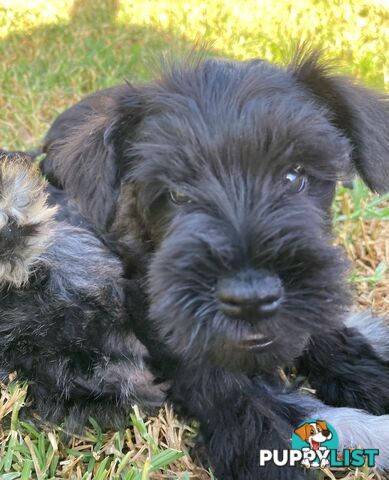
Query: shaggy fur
point(350, 367)
point(25, 221)
point(214, 184)
point(63, 324)
point(374, 329)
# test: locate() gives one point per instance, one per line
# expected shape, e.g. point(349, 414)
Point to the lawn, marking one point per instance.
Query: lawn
point(53, 53)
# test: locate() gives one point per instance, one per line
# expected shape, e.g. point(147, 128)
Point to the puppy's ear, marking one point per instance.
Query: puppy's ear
point(85, 151)
point(303, 431)
point(362, 114)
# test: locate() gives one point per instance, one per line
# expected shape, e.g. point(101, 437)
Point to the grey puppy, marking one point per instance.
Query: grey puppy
point(63, 323)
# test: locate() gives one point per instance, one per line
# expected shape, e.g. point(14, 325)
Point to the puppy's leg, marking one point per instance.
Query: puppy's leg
point(238, 417)
point(350, 367)
point(122, 382)
point(374, 329)
point(79, 366)
point(106, 390)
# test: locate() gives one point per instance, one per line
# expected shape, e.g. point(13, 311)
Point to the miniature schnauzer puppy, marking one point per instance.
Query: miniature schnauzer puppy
point(215, 184)
point(63, 324)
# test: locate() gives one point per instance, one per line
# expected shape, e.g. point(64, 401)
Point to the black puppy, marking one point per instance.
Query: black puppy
point(63, 324)
point(215, 183)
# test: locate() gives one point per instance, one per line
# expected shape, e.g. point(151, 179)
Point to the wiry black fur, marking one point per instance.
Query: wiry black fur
point(225, 134)
point(346, 371)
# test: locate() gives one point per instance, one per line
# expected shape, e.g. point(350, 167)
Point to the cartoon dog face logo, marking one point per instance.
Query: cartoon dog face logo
point(314, 433)
point(318, 441)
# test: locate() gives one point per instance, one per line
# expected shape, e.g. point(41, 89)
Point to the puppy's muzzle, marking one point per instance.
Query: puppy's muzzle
point(13, 236)
point(250, 295)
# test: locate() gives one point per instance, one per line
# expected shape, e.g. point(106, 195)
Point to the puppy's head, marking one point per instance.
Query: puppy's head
point(236, 168)
point(225, 172)
point(24, 218)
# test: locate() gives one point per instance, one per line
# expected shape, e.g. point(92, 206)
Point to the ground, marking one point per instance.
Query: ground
point(53, 53)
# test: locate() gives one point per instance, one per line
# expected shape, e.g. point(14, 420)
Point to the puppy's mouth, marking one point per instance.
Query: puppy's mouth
point(255, 342)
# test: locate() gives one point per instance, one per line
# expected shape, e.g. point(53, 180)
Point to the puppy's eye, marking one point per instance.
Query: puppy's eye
point(179, 198)
point(296, 179)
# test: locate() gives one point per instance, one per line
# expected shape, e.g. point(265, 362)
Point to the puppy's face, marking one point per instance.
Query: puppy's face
point(24, 218)
point(235, 170)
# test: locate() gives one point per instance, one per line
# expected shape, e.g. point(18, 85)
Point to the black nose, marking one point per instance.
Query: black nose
point(250, 294)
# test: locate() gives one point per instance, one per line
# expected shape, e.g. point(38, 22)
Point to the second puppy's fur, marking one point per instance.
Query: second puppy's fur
point(63, 324)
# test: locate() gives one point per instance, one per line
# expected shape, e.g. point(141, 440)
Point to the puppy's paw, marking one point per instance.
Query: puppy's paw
point(25, 219)
point(348, 367)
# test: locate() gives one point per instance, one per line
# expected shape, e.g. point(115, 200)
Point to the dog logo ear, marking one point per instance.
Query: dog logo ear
point(361, 114)
point(303, 431)
point(322, 424)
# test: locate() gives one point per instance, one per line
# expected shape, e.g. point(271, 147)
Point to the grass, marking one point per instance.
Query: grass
point(53, 53)
point(132, 454)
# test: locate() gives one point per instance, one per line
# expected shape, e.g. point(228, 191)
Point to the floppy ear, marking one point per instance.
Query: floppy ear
point(85, 151)
point(322, 424)
point(303, 431)
point(362, 114)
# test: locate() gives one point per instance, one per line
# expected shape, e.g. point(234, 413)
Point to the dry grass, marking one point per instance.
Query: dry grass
point(365, 238)
point(52, 53)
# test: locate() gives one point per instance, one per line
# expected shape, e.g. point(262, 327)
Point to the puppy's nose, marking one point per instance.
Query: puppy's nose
point(250, 295)
point(12, 236)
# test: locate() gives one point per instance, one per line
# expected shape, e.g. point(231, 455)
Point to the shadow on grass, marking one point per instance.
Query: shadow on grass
point(45, 69)
point(85, 10)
